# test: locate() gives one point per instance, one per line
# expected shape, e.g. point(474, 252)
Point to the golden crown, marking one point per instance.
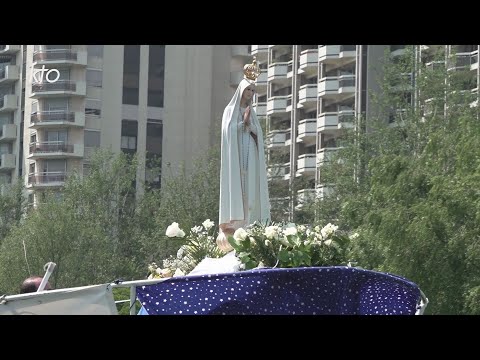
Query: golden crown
point(252, 71)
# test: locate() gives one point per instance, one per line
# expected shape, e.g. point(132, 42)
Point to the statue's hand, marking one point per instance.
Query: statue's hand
point(246, 116)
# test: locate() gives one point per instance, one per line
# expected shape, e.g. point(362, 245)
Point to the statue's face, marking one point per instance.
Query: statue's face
point(248, 93)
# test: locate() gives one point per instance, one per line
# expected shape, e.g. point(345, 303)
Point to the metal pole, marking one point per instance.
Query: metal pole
point(133, 299)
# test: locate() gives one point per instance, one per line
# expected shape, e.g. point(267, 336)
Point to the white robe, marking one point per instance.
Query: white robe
point(236, 186)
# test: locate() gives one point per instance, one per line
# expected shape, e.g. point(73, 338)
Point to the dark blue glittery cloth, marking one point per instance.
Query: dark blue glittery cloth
point(337, 290)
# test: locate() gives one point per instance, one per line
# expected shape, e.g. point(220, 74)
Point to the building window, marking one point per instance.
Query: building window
point(54, 104)
point(131, 71)
point(129, 136)
point(156, 75)
point(60, 136)
point(91, 138)
point(55, 166)
point(154, 153)
point(95, 50)
point(94, 77)
point(93, 108)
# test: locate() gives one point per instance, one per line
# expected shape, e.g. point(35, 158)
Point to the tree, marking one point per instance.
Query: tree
point(13, 205)
point(188, 198)
point(86, 232)
point(409, 186)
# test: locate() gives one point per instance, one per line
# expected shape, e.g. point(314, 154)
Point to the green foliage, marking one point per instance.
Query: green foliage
point(410, 188)
point(99, 230)
point(185, 197)
point(198, 244)
point(12, 207)
point(86, 232)
point(288, 245)
point(122, 294)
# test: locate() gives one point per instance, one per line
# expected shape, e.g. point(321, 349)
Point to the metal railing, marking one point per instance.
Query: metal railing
point(47, 177)
point(61, 85)
point(50, 146)
point(49, 116)
point(57, 54)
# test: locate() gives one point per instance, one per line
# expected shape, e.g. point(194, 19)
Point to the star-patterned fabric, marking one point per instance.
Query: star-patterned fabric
point(336, 290)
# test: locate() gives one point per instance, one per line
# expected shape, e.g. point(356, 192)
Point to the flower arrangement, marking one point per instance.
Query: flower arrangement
point(290, 245)
point(258, 245)
point(198, 244)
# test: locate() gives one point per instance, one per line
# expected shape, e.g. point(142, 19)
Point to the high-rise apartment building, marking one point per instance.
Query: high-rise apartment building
point(308, 93)
point(60, 102)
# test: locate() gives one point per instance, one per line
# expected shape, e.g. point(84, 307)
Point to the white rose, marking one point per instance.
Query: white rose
point(271, 231)
point(174, 231)
point(290, 231)
point(240, 234)
point(208, 224)
point(328, 230)
point(328, 242)
point(180, 252)
point(196, 229)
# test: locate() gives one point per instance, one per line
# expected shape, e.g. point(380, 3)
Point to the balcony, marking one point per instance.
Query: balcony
point(328, 53)
point(308, 62)
point(277, 171)
point(325, 155)
point(277, 104)
point(307, 96)
point(7, 162)
point(8, 132)
point(46, 179)
point(261, 82)
point(346, 119)
point(306, 165)
point(338, 88)
point(260, 108)
point(45, 119)
point(59, 88)
point(8, 103)
point(8, 74)
point(276, 138)
point(347, 53)
point(338, 55)
point(55, 150)
point(474, 60)
point(328, 87)
point(328, 122)
point(307, 130)
point(241, 51)
point(346, 84)
point(260, 51)
point(324, 191)
point(60, 57)
point(278, 72)
point(305, 196)
point(435, 65)
point(9, 49)
point(464, 61)
point(397, 50)
point(235, 78)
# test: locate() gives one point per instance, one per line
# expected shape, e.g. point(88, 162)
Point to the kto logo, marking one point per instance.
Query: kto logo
point(47, 75)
